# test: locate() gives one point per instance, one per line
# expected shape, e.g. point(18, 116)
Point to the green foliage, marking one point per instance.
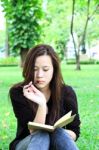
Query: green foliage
point(23, 22)
point(57, 25)
point(28, 24)
point(72, 61)
point(81, 15)
point(2, 38)
point(87, 90)
point(58, 19)
point(9, 61)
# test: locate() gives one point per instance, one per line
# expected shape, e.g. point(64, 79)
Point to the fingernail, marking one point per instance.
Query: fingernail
point(30, 82)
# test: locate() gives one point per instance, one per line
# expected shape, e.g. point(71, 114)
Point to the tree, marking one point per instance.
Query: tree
point(58, 19)
point(83, 35)
point(24, 24)
point(55, 31)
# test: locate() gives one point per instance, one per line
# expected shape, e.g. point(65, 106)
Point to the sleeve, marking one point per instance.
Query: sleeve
point(70, 103)
point(20, 106)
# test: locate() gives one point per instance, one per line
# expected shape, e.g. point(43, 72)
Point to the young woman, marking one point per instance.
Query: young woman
point(43, 97)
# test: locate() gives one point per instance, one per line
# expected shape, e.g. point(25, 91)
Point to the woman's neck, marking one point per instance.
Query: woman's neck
point(47, 93)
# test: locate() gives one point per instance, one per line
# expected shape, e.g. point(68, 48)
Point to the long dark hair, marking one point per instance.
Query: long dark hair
point(56, 82)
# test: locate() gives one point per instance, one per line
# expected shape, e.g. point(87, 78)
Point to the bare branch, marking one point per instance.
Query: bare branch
point(72, 26)
point(97, 8)
point(86, 24)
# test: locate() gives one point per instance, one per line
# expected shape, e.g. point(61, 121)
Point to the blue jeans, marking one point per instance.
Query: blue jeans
point(41, 140)
point(61, 140)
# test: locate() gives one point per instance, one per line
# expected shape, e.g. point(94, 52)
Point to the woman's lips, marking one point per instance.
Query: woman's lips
point(39, 82)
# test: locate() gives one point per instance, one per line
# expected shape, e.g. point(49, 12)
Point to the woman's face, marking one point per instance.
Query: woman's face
point(43, 72)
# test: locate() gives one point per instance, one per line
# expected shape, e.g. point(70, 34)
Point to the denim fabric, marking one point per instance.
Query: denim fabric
point(36, 141)
point(61, 140)
point(40, 140)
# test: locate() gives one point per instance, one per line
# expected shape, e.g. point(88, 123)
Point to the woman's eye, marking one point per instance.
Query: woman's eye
point(45, 70)
point(35, 69)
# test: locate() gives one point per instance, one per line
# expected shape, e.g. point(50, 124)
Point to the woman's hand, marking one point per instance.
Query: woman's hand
point(72, 134)
point(33, 94)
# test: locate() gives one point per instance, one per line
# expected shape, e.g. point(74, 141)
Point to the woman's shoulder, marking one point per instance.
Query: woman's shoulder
point(69, 94)
point(69, 97)
point(15, 89)
point(16, 95)
point(67, 89)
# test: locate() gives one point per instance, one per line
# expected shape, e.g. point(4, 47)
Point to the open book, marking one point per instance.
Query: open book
point(66, 119)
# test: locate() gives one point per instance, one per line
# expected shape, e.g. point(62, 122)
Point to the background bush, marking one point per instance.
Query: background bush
point(9, 61)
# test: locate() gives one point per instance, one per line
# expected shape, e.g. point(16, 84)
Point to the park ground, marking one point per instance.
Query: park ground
point(86, 85)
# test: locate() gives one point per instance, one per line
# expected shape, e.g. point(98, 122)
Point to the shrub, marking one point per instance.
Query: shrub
point(9, 61)
point(82, 62)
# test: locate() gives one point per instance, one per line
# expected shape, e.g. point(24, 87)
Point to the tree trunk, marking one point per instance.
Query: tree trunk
point(23, 53)
point(78, 63)
point(7, 53)
point(76, 48)
point(6, 47)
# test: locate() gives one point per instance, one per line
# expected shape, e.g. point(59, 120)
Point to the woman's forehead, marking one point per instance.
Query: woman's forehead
point(43, 60)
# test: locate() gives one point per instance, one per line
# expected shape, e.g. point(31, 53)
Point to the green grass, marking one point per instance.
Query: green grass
point(86, 85)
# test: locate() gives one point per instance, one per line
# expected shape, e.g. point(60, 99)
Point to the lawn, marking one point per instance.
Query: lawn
point(86, 85)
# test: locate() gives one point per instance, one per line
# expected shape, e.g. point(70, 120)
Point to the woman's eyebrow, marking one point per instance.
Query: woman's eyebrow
point(46, 66)
point(42, 66)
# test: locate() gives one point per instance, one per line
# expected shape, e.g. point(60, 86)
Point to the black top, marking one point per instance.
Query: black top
point(24, 113)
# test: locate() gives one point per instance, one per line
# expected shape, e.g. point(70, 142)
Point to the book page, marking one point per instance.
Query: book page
point(39, 126)
point(65, 117)
point(64, 122)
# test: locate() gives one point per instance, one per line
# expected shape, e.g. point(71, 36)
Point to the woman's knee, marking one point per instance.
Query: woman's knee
point(23, 144)
point(58, 133)
point(60, 139)
point(40, 135)
point(40, 139)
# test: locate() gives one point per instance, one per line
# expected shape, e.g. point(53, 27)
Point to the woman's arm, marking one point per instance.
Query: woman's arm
point(33, 94)
point(70, 103)
point(41, 114)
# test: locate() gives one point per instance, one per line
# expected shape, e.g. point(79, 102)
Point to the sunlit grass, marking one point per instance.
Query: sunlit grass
point(86, 85)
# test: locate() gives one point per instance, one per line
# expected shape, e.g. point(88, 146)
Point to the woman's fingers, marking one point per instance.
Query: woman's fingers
point(35, 89)
point(28, 85)
point(33, 94)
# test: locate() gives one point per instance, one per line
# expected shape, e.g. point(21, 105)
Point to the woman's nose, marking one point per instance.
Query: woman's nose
point(40, 73)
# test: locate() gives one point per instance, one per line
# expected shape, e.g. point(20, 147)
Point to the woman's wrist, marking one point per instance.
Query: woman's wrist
point(42, 102)
point(43, 106)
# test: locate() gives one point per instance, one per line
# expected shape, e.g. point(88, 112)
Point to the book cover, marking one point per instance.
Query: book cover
point(63, 121)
